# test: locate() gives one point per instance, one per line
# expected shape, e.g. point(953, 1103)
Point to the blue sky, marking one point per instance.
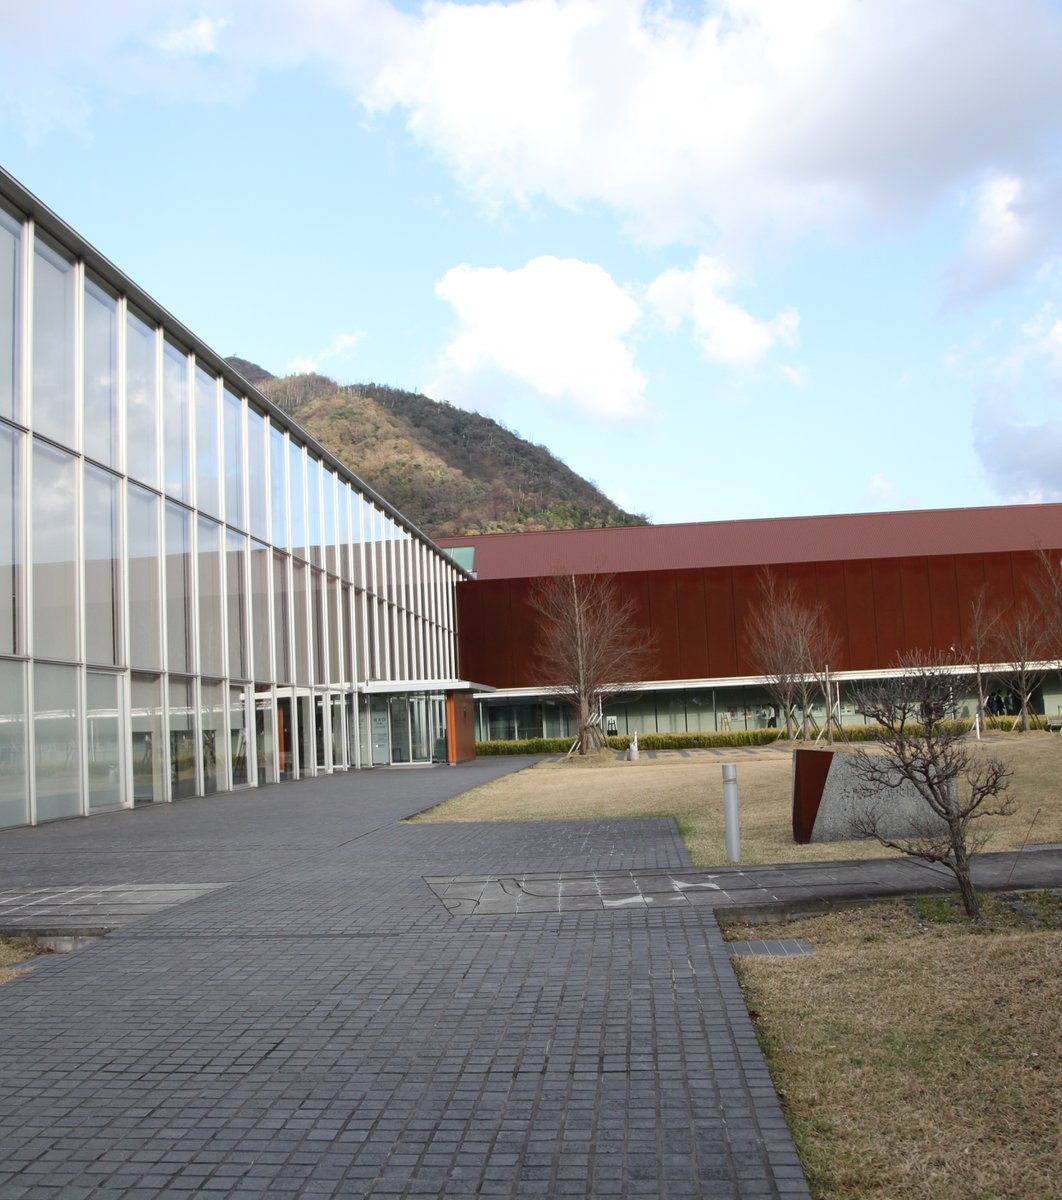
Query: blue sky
point(746, 259)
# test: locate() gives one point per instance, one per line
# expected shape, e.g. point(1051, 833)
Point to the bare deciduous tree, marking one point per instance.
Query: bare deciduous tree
point(924, 747)
point(590, 646)
point(983, 643)
point(791, 643)
point(1024, 648)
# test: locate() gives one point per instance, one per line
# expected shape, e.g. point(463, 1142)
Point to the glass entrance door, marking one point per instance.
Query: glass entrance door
point(379, 731)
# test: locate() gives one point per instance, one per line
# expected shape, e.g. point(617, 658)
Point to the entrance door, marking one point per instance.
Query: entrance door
point(380, 731)
point(285, 737)
point(263, 736)
point(306, 739)
point(400, 748)
point(419, 728)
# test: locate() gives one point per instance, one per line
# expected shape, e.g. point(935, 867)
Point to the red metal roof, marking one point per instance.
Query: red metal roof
point(774, 540)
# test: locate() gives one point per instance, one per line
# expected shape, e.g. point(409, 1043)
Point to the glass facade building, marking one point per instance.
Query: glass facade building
point(194, 595)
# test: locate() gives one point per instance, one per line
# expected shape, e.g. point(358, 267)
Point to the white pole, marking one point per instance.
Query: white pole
point(730, 813)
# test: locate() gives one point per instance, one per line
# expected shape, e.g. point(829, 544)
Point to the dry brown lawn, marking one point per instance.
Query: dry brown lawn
point(12, 952)
point(916, 1058)
point(690, 790)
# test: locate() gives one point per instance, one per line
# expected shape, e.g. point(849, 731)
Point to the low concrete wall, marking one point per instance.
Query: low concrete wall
point(833, 815)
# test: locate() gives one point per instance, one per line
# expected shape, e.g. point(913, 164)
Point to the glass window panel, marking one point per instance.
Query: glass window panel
point(10, 540)
point(343, 532)
point(328, 503)
point(260, 631)
point(300, 622)
point(102, 568)
point(145, 596)
point(207, 444)
point(278, 478)
point(297, 499)
point(281, 627)
point(53, 344)
point(238, 741)
point(100, 374)
point(335, 659)
point(211, 598)
point(234, 458)
point(56, 744)
point(319, 633)
point(149, 760)
point(141, 400)
point(54, 519)
point(214, 739)
point(175, 414)
point(14, 794)
point(102, 748)
point(236, 602)
point(313, 509)
point(182, 739)
point(346, 634)
point(10, 315)
point(178, 588)
point(257, 475)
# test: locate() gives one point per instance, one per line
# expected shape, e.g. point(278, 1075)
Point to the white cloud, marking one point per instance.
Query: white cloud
point(724, 331)
point(198, 37)
point(558, 325)
point(1012, 229)
point(762, 115)
point(1022, 459)
point(796, 375)
point(743, 119)
point(337, 348)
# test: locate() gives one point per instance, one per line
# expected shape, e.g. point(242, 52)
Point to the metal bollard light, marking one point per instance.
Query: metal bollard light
point(730, 813)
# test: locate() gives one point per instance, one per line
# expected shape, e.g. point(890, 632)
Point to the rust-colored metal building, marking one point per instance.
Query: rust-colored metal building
point(889, 582)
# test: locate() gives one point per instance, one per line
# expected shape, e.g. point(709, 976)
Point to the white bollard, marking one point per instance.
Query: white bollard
point(730, 813)
point(632, 749)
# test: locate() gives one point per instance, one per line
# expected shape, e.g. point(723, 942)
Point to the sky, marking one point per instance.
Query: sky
point(754, 258)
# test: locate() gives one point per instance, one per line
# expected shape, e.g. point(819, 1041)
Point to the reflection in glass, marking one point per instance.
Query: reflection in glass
point(214, 744)
point(297, 499)
point(102, 568)
point(278, 475)
point(313, 509)
point(145, 601)
point(211, 616)
point(14, 795)
point(335, 659)
point(141, 401)
point(54, 525)
point(10, 539)
point(264, 744)
point(285, 745)
point(102, 748)
point(318, 642)
point(257, 475)
point(328, 500)
point(236, 602)
point(238, 745)
point(175, 424)
point(301, 622)
point(343, 498)
point(234, 471)
point(178, 588)
point(281, 632)
point(53, 344)
point(260, 585)
point(56, 750)
point(100, 375)
point(207, 444)
point(10, 314)
point(182, 739)
point(149, 759)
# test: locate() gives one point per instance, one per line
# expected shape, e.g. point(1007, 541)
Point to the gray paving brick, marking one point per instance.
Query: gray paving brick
point(324, 1026)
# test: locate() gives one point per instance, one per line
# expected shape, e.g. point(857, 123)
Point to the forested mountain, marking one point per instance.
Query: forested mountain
point(448, 470)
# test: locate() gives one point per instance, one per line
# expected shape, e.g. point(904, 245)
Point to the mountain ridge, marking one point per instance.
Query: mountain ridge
point(452, 472)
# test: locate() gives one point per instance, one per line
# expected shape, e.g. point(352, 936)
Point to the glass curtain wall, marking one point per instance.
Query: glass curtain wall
point(199, 592)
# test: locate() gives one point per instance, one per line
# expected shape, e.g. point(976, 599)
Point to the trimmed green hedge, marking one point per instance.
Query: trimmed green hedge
point(646, 741)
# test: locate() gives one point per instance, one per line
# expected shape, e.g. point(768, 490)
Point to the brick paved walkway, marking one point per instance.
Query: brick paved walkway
point(323, 1026)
